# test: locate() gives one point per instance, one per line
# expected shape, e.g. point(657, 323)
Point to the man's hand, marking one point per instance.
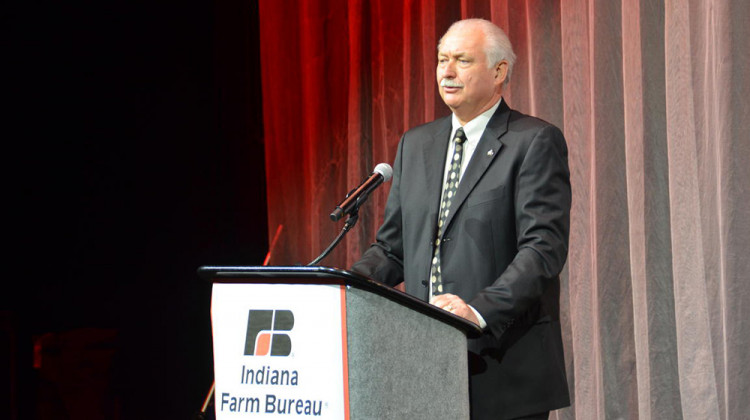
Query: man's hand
point(455, 305)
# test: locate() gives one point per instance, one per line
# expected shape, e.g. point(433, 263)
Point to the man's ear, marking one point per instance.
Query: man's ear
point(501, 71)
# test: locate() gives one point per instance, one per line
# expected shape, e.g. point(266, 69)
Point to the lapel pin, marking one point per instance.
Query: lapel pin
point(490, 153)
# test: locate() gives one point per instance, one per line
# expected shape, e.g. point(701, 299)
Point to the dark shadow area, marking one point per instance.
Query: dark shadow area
point(133, 154)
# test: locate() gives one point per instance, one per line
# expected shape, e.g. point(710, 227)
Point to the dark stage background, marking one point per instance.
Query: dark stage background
point(133, 154)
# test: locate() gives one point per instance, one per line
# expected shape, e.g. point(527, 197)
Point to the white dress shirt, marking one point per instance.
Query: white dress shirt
point(473, 131)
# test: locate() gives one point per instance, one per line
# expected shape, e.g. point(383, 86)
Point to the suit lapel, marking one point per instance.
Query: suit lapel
point(485, 153)
point(433, 154)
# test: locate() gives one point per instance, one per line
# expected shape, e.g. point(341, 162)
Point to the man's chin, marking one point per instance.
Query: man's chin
point(451, 99)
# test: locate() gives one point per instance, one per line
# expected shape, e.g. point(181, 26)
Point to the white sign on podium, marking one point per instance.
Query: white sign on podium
point(279, 351)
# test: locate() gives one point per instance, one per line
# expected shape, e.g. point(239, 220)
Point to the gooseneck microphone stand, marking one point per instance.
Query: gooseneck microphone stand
point(350, 222)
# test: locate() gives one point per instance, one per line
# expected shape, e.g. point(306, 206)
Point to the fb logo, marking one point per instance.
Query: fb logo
point(263, 336)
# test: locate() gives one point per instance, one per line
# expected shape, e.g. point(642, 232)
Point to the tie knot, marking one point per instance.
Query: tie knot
point(460, 136)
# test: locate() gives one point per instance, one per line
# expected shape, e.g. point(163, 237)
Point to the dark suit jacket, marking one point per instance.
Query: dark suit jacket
point(503, 247)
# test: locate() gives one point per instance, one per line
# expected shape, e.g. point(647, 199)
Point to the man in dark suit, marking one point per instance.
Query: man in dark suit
point(477, 222)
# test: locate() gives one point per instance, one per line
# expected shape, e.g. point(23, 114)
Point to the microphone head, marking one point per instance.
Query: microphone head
point(385, 170)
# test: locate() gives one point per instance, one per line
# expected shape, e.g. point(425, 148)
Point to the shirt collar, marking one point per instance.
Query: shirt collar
point(474, 128)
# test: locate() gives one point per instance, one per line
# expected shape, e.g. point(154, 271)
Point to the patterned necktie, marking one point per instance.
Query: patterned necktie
point(449, 191)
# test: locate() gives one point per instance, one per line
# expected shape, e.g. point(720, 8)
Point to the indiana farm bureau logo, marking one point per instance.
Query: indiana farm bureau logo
point(267, 332)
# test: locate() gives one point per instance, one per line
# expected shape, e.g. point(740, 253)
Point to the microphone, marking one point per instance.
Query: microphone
point(382, 173)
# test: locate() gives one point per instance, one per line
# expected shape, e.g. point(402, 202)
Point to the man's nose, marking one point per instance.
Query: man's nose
point(449, 71)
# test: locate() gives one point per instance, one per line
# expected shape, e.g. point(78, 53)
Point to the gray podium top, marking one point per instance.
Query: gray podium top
point(330, 275)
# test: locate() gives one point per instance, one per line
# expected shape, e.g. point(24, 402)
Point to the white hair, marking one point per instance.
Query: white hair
point(497, 45)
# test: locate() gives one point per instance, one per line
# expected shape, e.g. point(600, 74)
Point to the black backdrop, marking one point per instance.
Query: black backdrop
point(133, 155)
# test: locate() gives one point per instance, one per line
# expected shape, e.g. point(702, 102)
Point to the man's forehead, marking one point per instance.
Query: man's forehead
point(460, 50)
point(463, 42)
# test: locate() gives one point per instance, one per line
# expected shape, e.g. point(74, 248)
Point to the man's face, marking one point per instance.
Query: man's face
point(466, 82)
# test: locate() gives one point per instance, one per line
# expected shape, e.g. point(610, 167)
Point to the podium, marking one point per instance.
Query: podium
point(301, 342)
